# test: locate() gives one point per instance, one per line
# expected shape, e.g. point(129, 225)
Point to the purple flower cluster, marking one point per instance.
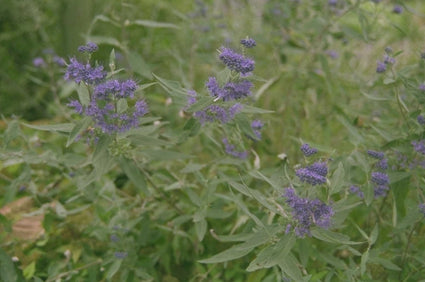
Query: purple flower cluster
point(217, 113)
point(422, 87)
point(419, 146)
point(422, 208)
point(397, 9)
point(256, 126)
point(90, 47)
point(115, 89)
point(307, 212)
point(248, 42)
point(84, 72)
point(314, 174)
point(356, 190)
point(421, 119)
point(307, 150)
point(236, 61)
point(381, 66)
point(375, 154)
point(230, 91)
point(231, 150)
point(103, 106)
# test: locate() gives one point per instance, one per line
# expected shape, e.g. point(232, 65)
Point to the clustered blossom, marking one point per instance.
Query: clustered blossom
point(230, 91)
point(256, 126)
point(422, 208)
point(307, 150)
point(248, 42)
point(235, 61)
point(307, 212)
point(422, 87)
point(356, 190)
point(419, 146)
point(381, 66)
point(314, 174)
point(379, 178)
point(231, 150)
point(38, 62)
point(102, 107)
point(217, 113)
point(90, 47)
point(397, 9)
point(375, 154)
point(421, 119)
point(78, 72)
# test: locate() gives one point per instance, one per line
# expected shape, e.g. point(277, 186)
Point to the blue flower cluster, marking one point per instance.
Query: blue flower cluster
point(307, 213)
point(231, 150)
point(314, 174)
point(419, 146)
point(236, 61)
point(307, 150)
point(103, 106)
point(379, 178)
point(381, 66)
point(248, 42)
point(356, 190)
point(230, 91)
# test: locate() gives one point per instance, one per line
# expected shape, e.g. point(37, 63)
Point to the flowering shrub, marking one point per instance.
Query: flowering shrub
point(283, 155)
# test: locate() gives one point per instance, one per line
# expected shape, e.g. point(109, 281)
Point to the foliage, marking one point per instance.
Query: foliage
point(176, 153)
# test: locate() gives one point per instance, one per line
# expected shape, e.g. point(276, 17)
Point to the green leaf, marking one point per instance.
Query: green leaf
point(385, 263)
point(374, 98)
point(144, 140)
point(112, 60)
point(357, 138)
point(83, 94)
point(332, 237)
point(337, 181)
point(234, 252)
point(29, 270)
point(7, 268)
point(164, 155)
point(79, 127)
point(289, 266)
point(363, 261)
point(271, 255)
point(172, 87)
point(106, 40)
point(201, 228)
point(133, 172)
point(102, 161)
point(374, 235)
point(139, 65)
point(192, 167)
point(122, 106)
point(200, 104)
point(254, 110)
point(60, 127)
point(153, 24)
point(113, 268)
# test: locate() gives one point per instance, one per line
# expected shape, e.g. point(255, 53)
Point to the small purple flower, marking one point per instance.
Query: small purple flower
point(388, 60)
point(120, 255)
point(115, 89)
point(397, 9)
point(375, 154)
point(419, 146)
point(248, 42)
point(79, 72)
point(310, 177)
point(235, 61)
point(421, 119)
point(307, 213)
point(59, 61)
point(380, 190)
point(231, 150)
point(332, 53)
point(88, 48)
point(380, 178)
point(307, 150)
point(422, 208)
point(256, 126)
point(76, 105)
point(321, 168)
point(382, 164)
point(356, 190)
point(381, 67)
point(114, 238)
point(332, 2)
point(39, 62)
point(422, 87)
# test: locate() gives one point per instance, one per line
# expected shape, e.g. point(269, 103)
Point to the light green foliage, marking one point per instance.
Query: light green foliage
point(164, 201)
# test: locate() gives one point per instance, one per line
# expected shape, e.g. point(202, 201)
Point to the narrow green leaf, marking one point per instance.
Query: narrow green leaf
point(102, 161)
point(201, 228)
point(289, 266)
point(7, 269)
point(163, 155)
point(29, 270)
point(106, 40)
point(234, 252)
point(139, 65)
point(271, 255)
point(374, 235)
point(363, 261)
point(374, 98)
point(332, 237)
point(79, 127)
point(131, 169)
point(153, 24)
point(200, 104)
point(113, 268)
point(385, 263)
point(337, 180)
point(254, 110)
point(83, 94)
point(60, 127)
point(112, 60)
